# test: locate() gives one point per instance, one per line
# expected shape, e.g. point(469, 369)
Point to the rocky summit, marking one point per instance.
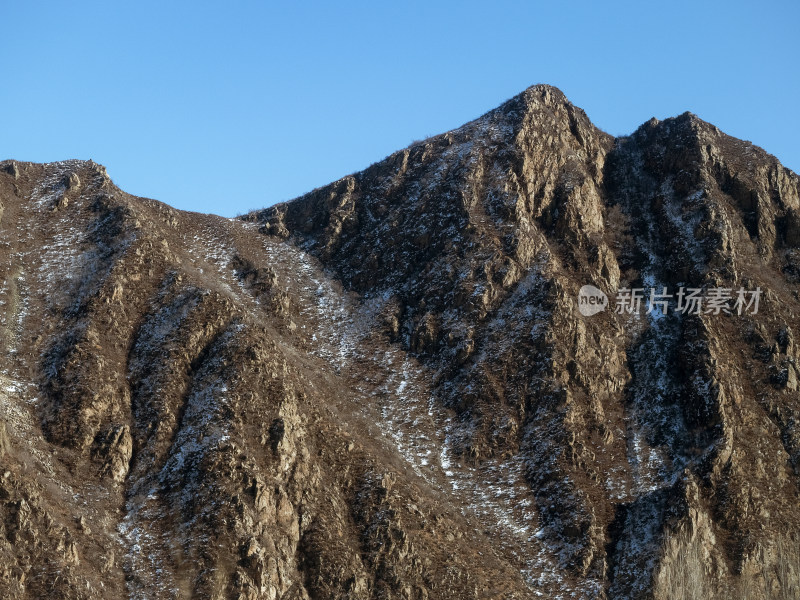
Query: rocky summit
point(388, 388)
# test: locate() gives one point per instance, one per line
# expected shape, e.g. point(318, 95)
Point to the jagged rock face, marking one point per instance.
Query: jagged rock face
point(383, 389)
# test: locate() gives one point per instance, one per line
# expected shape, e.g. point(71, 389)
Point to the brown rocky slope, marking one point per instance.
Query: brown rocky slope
point(383, 389)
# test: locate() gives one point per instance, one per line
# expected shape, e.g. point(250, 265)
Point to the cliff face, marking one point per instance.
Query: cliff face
point(384, 388)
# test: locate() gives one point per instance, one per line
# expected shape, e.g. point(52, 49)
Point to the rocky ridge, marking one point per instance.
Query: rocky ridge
point(383, 389)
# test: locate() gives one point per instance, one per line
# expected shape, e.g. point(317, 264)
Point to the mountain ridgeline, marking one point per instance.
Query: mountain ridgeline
point(384, 389)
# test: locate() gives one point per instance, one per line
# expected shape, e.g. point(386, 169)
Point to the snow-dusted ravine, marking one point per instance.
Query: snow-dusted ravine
point(400, 399)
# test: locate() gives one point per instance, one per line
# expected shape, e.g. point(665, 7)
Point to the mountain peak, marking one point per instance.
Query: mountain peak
point(545, 93)
point(535, 100)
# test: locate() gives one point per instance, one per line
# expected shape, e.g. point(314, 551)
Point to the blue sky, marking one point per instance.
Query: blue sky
point(224, 107)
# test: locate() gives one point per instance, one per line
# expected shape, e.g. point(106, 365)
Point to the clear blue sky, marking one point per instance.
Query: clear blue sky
point(223, 107)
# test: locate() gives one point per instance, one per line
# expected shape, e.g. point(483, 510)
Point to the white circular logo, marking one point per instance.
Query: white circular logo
point(591, 301)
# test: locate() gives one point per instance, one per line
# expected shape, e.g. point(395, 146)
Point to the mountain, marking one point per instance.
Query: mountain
point(386, 388)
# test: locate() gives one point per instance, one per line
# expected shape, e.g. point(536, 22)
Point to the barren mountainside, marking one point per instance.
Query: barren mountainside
point(384, 389)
